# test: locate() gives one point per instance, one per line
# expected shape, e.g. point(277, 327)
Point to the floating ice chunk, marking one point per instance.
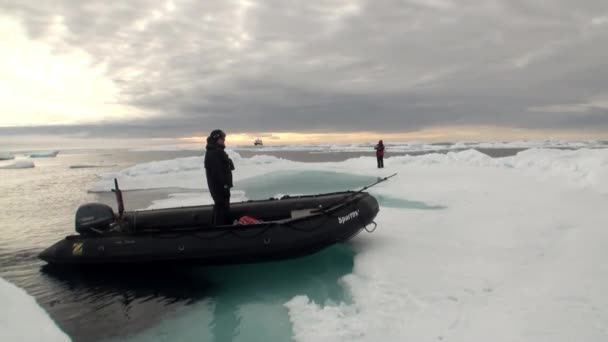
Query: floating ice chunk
point(464, 158)
point(419, 146)
point(89, 166)
point(509, 254)
point(166, 166)
point(6, 156)
point(584, 168)
point(530, 144)
point(44, 154)
point(189, 199)
point(187, 173)
point(328, 323)
point(19, 164)
point(22, 319)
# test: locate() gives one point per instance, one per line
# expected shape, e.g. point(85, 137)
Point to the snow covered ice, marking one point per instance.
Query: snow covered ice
point(23, 320)
point(401, 147)
point(43, 154)
point(6, 155)
point(512, 250)
point(19, 164)
point(90, 166)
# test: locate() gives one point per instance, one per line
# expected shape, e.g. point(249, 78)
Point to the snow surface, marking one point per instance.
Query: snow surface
point(22, 319)
point(517, 252)
point(6, 156)
point(19, 164)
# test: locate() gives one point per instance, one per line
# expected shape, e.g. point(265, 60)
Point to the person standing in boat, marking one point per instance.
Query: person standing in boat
point(380, 154)
point(218, 169)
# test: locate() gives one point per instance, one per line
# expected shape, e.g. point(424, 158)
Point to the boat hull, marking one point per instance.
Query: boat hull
point(266, 241)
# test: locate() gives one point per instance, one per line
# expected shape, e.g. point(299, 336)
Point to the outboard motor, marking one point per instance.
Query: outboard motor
point(94, 219)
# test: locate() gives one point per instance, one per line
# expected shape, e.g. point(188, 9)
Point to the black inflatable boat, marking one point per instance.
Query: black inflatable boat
point(285, 228)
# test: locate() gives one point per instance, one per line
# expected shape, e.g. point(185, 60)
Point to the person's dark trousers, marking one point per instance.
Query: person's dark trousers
point(221, 208)
point(380, 162)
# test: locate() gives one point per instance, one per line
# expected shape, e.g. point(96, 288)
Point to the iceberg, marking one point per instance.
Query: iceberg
point(19, 164)
point(185, 173)
point(6, 156)
point(584, 168)
point(22, 319)
point(43, 154)
point(420, 146)
point(90, 166)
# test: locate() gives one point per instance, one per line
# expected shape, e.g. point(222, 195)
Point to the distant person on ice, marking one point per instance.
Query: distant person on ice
point(380, 154)
point(218, 169)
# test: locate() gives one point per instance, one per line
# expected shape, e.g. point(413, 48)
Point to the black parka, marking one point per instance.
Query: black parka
point(218, 168)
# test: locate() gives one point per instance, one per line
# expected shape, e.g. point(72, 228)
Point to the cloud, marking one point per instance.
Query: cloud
point(334, 65)
point(598, 21)
point(561, 108)
point(596, 104)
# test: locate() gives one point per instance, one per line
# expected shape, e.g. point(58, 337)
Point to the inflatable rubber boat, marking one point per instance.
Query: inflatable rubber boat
point(276, 229)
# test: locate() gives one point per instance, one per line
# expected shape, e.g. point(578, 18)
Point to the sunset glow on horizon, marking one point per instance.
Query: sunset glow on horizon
point(448, 134)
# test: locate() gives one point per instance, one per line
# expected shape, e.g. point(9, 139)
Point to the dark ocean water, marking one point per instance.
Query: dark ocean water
point(38, 206)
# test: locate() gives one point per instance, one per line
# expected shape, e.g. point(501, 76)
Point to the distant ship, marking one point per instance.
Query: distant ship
point(258, 142)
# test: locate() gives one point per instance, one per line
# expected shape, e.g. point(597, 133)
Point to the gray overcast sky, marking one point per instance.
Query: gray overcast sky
point(315, 66)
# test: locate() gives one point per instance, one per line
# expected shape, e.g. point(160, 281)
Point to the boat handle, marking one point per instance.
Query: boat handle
point(267, 241)
point(372, 229)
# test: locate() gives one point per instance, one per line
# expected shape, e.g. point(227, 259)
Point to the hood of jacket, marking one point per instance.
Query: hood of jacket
point(213, 145)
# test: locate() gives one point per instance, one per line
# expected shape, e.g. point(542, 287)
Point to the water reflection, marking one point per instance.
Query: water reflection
point(301, 182)
point(227, 303)
point(104, 302)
